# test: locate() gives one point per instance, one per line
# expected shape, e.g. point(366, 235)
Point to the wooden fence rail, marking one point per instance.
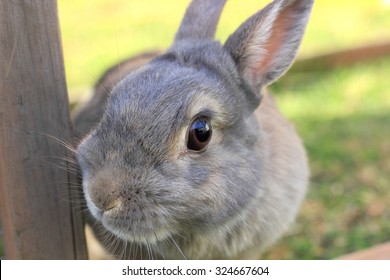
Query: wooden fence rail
point(39, 218)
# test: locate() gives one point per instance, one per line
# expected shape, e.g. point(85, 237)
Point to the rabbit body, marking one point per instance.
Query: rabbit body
point(151, 189)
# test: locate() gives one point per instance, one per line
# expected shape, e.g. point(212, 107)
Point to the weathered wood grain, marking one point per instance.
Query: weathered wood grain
point(38, 218)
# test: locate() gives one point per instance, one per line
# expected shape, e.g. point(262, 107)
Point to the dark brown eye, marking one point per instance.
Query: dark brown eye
point(199, 135)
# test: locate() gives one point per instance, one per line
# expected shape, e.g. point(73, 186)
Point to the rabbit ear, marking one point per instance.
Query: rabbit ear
point(200, 20)
point(266, 44)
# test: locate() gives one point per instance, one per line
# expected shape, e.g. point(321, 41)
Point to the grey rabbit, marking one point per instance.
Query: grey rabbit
point(190, 157)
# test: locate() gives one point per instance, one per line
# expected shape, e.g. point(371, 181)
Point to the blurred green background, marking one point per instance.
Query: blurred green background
point(343, 115)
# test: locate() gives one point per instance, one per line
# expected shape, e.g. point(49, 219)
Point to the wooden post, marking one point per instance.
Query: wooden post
point(39, 219)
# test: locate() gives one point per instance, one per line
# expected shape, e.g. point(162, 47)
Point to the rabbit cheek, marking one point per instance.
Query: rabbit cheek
point(197, 176)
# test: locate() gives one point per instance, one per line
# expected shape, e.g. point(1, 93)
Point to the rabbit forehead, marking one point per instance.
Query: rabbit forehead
point(168, 90)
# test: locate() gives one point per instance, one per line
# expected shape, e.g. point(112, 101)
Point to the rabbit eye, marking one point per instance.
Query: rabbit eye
point(199, 135)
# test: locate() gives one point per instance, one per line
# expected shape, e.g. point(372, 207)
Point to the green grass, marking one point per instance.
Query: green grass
point(343, 116)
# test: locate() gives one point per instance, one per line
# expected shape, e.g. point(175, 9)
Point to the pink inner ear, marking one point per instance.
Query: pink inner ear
point(272, 46)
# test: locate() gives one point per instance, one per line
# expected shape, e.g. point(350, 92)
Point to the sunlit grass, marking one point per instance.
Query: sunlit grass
point(338, 93)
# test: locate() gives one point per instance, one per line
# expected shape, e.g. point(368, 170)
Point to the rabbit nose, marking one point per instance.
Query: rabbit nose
point(104, 201)
point(111, 204)
point(102, 192)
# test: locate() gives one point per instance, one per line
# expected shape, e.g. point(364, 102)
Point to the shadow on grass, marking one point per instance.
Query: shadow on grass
point(347, 204)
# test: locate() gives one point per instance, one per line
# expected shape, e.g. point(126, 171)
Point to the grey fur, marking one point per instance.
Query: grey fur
point(200, 20)
point(230, 201)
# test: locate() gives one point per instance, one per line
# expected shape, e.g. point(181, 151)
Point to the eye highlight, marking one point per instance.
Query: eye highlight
point(199, 135)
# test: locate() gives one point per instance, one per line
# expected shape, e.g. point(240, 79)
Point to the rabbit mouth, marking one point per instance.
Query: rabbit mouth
point(147, 233)
point(147, 229)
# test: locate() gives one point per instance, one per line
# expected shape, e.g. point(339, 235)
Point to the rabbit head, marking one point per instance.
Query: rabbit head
point(179, 153)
